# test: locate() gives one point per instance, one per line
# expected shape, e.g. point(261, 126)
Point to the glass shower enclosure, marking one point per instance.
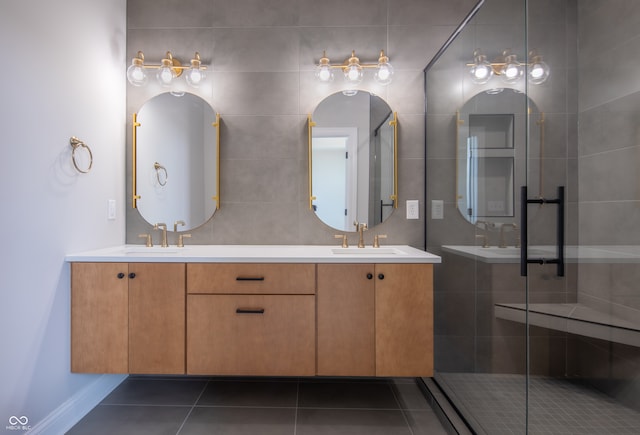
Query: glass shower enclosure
point(532, 114)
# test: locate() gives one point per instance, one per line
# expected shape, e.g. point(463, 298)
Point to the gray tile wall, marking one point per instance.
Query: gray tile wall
point(261, 82)
point(609, 200)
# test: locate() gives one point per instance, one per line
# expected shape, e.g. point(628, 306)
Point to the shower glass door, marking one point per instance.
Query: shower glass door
point(537, 305)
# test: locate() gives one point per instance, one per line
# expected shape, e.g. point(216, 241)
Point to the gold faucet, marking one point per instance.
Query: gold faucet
point(345, 243)
point(149, 242)
point(485, 240)
point(164, 233)
point(175, 225)
point(376, 239)
point(361, 229)
point(503, 244)
point(181, 240)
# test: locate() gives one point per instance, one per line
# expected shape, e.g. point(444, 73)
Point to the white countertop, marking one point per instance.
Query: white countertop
point(255, 254)
point(573, 254)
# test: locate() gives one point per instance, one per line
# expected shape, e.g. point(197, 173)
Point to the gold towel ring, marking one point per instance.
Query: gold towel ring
point(75, 144)
point(158, 167)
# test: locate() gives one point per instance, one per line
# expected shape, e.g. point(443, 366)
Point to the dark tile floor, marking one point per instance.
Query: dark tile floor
point(265, 406)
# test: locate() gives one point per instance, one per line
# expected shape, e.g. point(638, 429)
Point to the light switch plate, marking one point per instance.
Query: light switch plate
point(111, 209)
point(413, 209)
point(437, 209)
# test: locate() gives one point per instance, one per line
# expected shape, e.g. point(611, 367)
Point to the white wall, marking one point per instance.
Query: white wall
point(67, 77)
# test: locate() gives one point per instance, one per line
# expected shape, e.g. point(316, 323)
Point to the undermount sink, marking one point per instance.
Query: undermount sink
point(369, 250)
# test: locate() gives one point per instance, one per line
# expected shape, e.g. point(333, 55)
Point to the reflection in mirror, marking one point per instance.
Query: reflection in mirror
point(353, 160)
point(176, 160)
point(490, 160)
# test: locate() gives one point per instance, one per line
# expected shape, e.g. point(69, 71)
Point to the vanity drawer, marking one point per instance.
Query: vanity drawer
point(251, 278)
point(265, 335)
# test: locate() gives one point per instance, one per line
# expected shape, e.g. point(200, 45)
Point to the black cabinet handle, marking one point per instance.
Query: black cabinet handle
point(250, 278)
point(120, 275)
point(132, 275)
point(369, 275)
point(249, 310)
point(381, 276)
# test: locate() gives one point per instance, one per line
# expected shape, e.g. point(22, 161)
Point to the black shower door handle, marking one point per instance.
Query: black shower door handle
point(524, 237)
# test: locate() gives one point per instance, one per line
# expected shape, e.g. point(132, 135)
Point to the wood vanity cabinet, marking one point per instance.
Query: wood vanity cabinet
point(256, 319)
point(251, 319)
point(128, 318)
point(375, 319)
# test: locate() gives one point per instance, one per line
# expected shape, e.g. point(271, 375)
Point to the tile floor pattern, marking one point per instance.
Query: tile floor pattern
point(495, 404)
point(264, 406)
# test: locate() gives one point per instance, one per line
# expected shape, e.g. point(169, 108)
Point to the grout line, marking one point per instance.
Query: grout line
point(395, 392)
point(295, 418)
point(193, 407)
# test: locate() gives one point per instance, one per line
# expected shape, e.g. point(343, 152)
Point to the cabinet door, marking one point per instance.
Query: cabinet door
point(267, 335)
point(157, 318)
point(346, 307)
point(99, 317)
point(404, 319)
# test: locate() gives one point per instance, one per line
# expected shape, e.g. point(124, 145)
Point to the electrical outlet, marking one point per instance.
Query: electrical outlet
point(413, 209)
point(111, 209)
point(437, 209)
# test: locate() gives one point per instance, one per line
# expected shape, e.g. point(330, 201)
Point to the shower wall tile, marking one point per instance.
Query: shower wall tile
point(264, 49)
point(255, 93)
point(412, 47)
point(271, 137)
point(411, 136)
point(605, 24)
point(408, 12)
point(597, 219)
point(352, 13)
point(254, 13)
point(169, 13)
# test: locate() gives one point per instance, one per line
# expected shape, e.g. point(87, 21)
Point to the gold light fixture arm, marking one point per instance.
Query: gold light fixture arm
point(310, 125)
point(134, 143)
point(394, 124)
point(459, 123)
point(216, 124)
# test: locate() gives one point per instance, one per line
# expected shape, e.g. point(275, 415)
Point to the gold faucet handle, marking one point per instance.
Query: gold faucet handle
point(149, 242)
point(175, 225)
point(485, 240)
point(376, 239)
point(345, 244)
point(181, 240)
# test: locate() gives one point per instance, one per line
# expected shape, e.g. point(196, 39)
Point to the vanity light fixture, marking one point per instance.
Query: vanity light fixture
point(353, 70)
point(508, 68)
point(169, 69)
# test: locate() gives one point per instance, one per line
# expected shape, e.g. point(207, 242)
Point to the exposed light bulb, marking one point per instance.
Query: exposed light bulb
point(195, 74)
point(136, 73)
point(166, 73)
point(512, 70)
point(481, 70)
point(538, 70)
point(384, 73)
point(353, 72)
point(323, 72)
point(194, 77)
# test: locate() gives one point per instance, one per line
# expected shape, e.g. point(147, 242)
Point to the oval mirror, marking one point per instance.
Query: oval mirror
point(490, 153)
point(353, 160)
point(176, 161)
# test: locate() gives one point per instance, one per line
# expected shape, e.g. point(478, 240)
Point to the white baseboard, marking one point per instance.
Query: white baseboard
point(76, 407)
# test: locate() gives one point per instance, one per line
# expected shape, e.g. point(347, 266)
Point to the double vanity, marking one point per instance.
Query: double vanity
point(253, 310)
